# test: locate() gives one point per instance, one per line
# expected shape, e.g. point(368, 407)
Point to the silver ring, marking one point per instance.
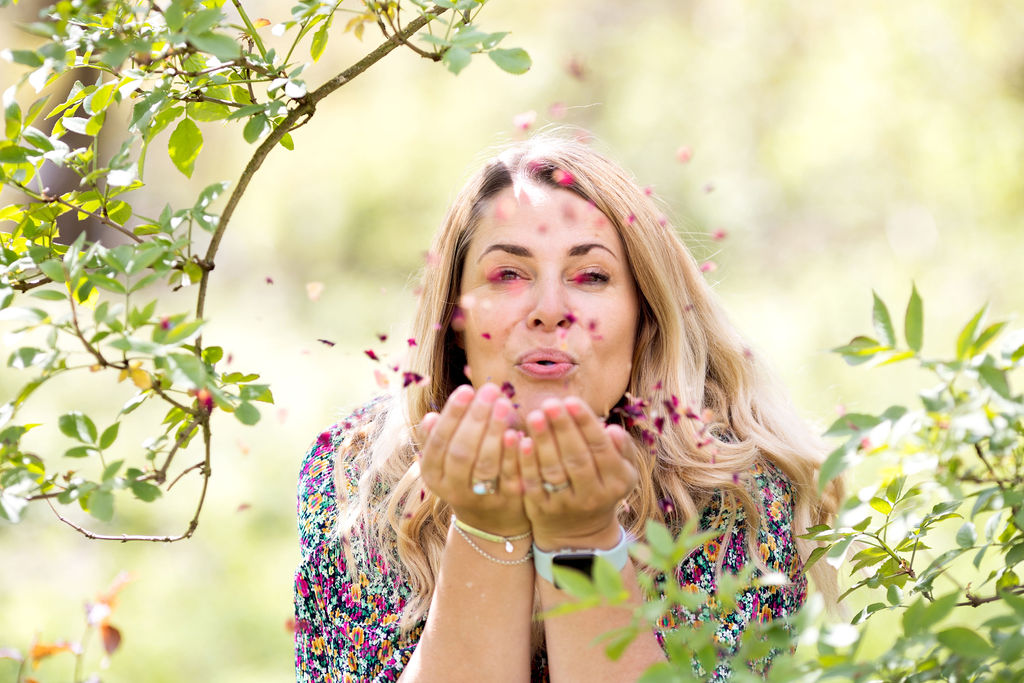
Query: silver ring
point(555, 488)
point(485, 487)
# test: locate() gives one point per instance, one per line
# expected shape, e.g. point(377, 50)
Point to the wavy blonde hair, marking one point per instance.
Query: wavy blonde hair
point(685, 348)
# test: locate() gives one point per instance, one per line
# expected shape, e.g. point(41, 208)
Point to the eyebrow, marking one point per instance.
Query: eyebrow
point(517, 250)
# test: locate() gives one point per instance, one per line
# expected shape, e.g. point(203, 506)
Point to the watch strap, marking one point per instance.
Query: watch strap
point(617, 556)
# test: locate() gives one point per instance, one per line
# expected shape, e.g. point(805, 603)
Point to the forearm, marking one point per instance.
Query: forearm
point(478, 627)
point(571, 649)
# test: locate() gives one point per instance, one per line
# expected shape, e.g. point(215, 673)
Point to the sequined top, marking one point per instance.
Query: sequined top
point(347, 629)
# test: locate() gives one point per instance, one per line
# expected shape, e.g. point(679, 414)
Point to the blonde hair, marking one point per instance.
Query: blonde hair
point(685, 348)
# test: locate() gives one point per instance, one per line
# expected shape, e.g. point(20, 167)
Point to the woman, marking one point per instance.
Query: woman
point(605, 388)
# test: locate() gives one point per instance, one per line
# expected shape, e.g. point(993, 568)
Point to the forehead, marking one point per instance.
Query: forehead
point(532, 213)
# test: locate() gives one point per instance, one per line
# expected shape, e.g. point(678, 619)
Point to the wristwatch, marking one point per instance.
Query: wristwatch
point(580, 560)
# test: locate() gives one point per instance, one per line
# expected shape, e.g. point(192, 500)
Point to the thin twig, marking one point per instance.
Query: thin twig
point(974, 601)
point(50, 199)
point(161, 474)
point(78, 333)
point(306, 107)
point(397, 32)
point(184, 472)
point(981, 454)
point(26, 286)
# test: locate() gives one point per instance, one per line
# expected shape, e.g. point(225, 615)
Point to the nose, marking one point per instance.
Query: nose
point(550, 307)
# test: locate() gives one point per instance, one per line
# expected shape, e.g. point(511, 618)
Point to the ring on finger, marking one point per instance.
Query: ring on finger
point(485, 487)
point(554, 488)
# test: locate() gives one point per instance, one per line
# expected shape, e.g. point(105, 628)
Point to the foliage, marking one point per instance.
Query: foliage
point(97, 304)
point(937, 539)
point(934, 541)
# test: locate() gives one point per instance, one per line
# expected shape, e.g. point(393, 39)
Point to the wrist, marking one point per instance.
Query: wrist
point(581, 559)
point(604, 538)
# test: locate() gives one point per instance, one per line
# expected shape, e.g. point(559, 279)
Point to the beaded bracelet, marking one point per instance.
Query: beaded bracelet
point(487, 536)
point(497, 560)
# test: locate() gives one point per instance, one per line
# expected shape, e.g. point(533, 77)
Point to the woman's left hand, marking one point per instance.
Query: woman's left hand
point(574, 475)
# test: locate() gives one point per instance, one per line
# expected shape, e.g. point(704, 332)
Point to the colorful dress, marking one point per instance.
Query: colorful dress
point(347, 630)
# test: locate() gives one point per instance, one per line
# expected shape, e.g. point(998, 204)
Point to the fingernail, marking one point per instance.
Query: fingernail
point(501, 410)
point(552, 409)
point(488, 393)
point(463, 395)
point(537, 421)
point(573, 406)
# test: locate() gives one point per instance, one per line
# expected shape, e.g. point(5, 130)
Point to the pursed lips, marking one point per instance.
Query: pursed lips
point(546, 363)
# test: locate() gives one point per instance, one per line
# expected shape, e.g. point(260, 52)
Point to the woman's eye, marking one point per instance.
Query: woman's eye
point(503, 275)
point(589, 277)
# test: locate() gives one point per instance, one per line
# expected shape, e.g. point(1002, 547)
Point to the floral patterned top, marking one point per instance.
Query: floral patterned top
point(347, 630)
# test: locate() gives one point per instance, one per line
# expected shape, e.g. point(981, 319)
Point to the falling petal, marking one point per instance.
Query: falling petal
point(648, 190)
point(525, 120)
point(410, 341)
point(242, 507)
point(314, 290)
point(382, 379)
point(326, 342)
point(571, 318)
point(557, 110)
point(508, 389)
point(708, 267)
point(269, 280)
point(684, 154)
point(383, 337)
point(631, 219)
point(261, 22)
point(563, 178)
point(575, 68)
point(371, 354)
point(411, 378)
point(485, 335)
point(718, 234)
point(709, 187)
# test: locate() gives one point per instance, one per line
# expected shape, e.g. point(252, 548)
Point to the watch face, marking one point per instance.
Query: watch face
point(581, 562)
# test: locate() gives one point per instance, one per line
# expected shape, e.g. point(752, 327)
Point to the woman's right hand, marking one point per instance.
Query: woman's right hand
point(469, 443)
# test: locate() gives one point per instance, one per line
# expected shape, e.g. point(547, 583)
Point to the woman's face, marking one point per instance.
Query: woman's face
point(548, 300)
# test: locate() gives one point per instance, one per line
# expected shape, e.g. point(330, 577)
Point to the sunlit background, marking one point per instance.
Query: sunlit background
point(838, 147)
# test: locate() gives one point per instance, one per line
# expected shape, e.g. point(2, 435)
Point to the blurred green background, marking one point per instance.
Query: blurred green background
point(841, 148)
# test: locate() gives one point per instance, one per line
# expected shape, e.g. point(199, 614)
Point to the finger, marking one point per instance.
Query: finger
point(528, 470)
point(464, 446)
point(606, 454)
point(549, 461)
point(432, 463)
point(488, 460)
point(573, 449)
point(510, 483)
point(426, 425)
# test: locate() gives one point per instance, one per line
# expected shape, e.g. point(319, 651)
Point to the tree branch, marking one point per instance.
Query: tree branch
point(307, 106)
point(51, 199)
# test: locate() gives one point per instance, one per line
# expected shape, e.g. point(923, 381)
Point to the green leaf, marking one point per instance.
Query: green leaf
point(81, 452)
point(574, 582)
point(220, 46)
point(109, 435)
point(994, 377)
point(101, 505)
point(882, 322)
point(53, 270)
point(456, 59)
point(965, 642)
point(78, 426)
point(247, 413)
point(881, 505)
point(860, 350)
point(255, 128)
point(836, 463)
point(145, 491)
point(184, 146)
point(202, 21)
point(608, 581)
point(319, 42)
point(966, 338)
point(967, 535)
point(986, 337)
point(514, 60)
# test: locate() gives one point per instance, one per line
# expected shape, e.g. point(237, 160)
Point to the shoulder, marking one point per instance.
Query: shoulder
point(343, 444)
